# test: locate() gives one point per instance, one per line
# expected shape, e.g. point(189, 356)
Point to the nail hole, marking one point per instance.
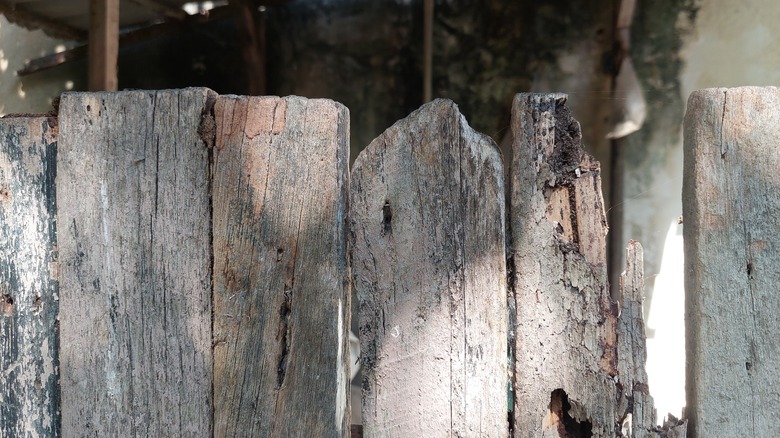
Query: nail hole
point(387, 218)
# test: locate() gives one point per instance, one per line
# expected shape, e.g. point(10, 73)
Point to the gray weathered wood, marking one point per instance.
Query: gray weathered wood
point(636, 412)
point(281, 301)
point(29, 377)
point(565, 345)
point(731, 206)
point(427, 228)
point(135, 264)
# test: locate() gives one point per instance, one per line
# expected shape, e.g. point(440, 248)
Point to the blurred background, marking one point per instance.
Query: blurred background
point(627, 66)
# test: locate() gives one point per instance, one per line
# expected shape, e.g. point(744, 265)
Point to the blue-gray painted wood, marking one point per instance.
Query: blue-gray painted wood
point(29, 378)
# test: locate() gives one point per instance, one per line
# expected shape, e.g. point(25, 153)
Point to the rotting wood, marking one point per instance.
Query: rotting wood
point(282, 297)
point(565, 345)
point(579, 368)
point(427, 232)
point(732, 261)
point(636, 412)
point(29, 376)
point(135, 263)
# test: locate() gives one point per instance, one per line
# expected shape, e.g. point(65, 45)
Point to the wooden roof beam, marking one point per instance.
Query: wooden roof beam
point(20, 16)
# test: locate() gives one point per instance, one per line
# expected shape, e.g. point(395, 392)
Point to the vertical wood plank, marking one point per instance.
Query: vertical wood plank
point(427, 230)
point(29, 377)
point(135, 258)
point(103, 45)
point(565, 345)
point(282, 297)
point(731, 208)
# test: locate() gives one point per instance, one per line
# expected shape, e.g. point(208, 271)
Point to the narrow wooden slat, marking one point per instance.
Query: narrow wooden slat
point(282, 297)
point(731, 207)
point(103, 44)
point(29, 377)
point(135, 260)
point(565, 343)
point(427, 229)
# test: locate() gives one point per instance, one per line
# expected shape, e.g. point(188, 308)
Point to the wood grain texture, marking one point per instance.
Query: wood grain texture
point(135, 257)
point(636, 409)
point(565, 346)
point(427, 229)
point(732, 261)
point(282, 297)
point(29, 377)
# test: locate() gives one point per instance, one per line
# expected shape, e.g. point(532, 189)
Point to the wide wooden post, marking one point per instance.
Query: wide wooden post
point(282, 296)
point(135, 264)
point(29, 341)
point(427, 228)
point(731, 208)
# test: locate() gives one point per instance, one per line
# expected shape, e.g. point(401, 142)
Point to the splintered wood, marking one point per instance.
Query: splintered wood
point(579, 369)
point(565, 345)
point(281, 297)
point(135, 257)
point(731, 206)
point(29, 376)
point(427, 230)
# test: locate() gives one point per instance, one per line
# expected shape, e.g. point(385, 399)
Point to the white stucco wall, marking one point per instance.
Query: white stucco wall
point(732, 43)
point(32, 93)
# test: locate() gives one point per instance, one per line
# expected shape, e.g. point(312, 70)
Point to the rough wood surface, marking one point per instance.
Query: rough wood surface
point(565, 345)
point(281, 301)
point(427, 228)
point(135, 264)
point(636, 412)
point(731, 206)
point(29, 377)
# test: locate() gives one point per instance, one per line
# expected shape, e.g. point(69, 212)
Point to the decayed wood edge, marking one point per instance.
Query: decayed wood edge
point(29, 359)
point(731, 260)
point(400, 176)
point(564, 310)
point(558, 229)
point(636, 412)
point(95, 349)
point(280, 198)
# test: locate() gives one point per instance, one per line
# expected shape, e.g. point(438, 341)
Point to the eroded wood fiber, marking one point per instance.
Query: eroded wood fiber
point(135, 257)
point(427, 231)
point(29, 376)
point(282, 296)
point(579, 368)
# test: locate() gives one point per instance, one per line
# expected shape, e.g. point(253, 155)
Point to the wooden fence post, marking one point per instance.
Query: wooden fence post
point(579, 369)
point(29, 377)
point(427, 231)
point(731, 207)
point(135, 260)
point(565, 345)
point(282, 297)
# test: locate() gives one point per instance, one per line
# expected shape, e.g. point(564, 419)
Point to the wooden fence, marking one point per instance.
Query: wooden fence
point(178, 263)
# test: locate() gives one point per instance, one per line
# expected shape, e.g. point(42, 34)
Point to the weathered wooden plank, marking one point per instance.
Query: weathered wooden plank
point(282, 296)
point(29, 376)
point(135, 260)
point(732, 256)
point(427, 230)
point(565, 345)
